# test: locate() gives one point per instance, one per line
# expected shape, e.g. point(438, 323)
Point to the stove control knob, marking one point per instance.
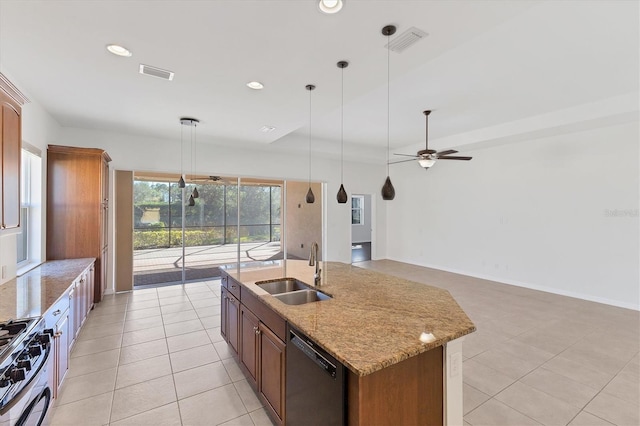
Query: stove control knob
point(35, 350)
point(44, 338)
point(17, 374)
point(26, 364)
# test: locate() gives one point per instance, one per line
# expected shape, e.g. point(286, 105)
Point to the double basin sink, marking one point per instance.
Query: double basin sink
point(292, 291)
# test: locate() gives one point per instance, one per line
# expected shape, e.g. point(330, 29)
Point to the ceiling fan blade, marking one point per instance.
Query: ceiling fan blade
point(447, 152)
point(455, 158)
point(401, 161)
point(406, 155)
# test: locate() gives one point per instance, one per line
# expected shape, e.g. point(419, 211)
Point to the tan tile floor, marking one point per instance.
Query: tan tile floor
point(155, 357)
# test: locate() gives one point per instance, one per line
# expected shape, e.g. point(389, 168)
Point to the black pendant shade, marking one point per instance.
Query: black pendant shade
point(388, 191)
point(181, 183)
point(192, 202)
point(342, 195)
point(195, 193)
point(310, 197)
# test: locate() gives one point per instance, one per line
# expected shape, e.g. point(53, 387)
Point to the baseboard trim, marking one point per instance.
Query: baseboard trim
point(516, 283)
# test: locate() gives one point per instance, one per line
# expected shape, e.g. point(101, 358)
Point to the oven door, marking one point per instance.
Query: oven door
point(30, 406)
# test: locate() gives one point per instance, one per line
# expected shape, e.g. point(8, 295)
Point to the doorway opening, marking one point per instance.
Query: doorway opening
point(361, 227)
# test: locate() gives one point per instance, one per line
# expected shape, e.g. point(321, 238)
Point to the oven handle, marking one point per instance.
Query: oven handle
point(29, 385)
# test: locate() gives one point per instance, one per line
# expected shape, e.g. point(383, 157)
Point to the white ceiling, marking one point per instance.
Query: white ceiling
point(483, 64)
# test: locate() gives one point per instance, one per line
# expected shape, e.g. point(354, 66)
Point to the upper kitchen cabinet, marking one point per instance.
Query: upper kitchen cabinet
point(77, 207)
point(11, 101)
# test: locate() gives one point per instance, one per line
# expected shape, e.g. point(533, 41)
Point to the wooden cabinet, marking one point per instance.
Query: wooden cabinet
point(62, 340)
point(66, 318)
point(10, 146)
point(57, 319)
point(271, 367)
point(233, 322)
point(77, 208)
point(255, 333)
point(249, 332)
point(80, 303)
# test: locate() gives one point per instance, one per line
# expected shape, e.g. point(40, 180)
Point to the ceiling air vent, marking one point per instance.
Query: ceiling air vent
point(406, 39)
point(156, 72)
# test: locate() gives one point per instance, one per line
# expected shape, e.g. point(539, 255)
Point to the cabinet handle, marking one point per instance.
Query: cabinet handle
point(58, 334)
point(82, 281)
point(56, 313)
point(258, 332)
point(233, 286)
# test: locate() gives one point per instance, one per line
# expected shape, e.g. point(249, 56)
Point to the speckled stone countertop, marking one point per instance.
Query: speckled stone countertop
point(31, 294)
point(373, 320)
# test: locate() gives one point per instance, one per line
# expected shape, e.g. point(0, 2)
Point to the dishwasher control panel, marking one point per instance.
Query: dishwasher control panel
point(317, 355)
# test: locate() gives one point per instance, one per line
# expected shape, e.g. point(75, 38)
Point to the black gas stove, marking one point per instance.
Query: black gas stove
point(24, 350)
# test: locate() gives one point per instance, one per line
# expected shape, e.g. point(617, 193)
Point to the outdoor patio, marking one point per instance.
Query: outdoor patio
point(164, 265)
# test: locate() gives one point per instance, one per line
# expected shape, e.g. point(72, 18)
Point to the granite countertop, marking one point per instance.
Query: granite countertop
point(33, 293)
point(373, 321)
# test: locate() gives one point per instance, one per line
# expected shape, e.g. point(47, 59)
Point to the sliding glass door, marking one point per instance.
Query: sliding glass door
point(232, 220)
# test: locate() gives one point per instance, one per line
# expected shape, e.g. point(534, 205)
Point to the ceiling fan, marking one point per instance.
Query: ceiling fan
point(427, 157)
point(209, 179)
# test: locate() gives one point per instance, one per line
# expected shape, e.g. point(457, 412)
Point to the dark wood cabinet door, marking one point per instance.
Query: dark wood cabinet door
point(249, 329)
point(11, 145)
point(271, 382)
point(223, 313)
point(233, 323)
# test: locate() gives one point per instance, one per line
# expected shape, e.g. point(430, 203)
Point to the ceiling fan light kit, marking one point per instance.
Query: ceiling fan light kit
point(427, 157)
point(388, 191)
point(310, 198)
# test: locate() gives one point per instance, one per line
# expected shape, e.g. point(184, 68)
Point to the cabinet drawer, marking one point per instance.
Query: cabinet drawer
point(234, 287)
point(57, 310)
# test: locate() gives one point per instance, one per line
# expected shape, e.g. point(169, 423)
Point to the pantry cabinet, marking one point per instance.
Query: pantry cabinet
point(77, 208)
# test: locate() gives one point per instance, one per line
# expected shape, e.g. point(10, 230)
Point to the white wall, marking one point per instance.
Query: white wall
point(149, 154)
point(534, 214)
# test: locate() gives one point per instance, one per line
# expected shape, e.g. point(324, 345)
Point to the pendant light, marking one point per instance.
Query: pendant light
point(342, 194)
point(181, 183)
point(310, 197)
point(194, 170)
point(193, 123)
point(388, 191)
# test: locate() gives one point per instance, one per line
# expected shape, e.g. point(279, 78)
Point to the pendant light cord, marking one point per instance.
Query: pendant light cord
point(342, 130)
point(388, 99)
point(181, 150)
point(310, 137)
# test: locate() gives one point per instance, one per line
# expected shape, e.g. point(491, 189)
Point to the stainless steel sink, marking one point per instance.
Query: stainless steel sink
point(282, 286)
point(301, 297)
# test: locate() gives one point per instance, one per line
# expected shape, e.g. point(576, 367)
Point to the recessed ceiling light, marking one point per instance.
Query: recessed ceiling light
point(330, 6)
point(255, 85)
point(267, 129)
point(118, 50)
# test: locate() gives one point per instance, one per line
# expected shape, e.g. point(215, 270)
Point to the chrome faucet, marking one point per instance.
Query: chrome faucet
point(313, 260)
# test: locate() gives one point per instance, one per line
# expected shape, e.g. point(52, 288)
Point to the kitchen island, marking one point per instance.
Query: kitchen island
point(399, 340)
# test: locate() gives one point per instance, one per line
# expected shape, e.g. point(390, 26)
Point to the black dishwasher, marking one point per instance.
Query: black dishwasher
point(316, 391)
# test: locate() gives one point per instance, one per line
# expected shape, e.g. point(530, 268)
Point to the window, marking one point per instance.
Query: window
point(29, 240)
point(357, 210)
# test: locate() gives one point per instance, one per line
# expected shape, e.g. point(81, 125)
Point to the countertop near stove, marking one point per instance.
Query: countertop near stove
point(373, 321)
point(33, 293)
